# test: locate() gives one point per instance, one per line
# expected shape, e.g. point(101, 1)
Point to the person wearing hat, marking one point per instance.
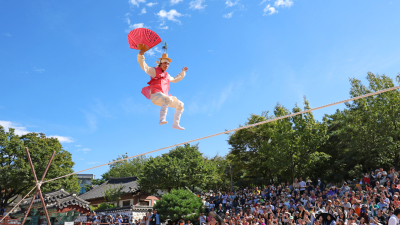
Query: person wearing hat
point(158, 89)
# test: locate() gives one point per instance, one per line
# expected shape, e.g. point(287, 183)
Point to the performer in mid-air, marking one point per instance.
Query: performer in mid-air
point(158, 89)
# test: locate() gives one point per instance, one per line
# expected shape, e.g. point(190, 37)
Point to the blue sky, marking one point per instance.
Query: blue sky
point(67, 69)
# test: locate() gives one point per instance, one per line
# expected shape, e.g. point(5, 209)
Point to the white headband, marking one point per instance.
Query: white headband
point(162, 61)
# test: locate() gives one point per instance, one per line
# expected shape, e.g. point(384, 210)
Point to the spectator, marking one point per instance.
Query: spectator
point(380, 217)
point(302, 186)
point(202, 219)
point(154, 218)
point(344, 188)
point(119, 220)
point(97, 220)
point(93, 217)
point(383, 176)
point(110, 219)
point(382, 203)
point(396, 201)
point(220, 211)
point(104, 219)
point(126, 219)
point(296, 186)
point(394, 219)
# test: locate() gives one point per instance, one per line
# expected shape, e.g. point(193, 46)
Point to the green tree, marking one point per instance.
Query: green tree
point(112, 195)
point(281, 149)
point(15, 173)
point(221, 176)
point(366, 134)
point(127, 168)
point(179, 204)
point(249, 166)
point(97, 182)
point(183, 166)
point(296, 142)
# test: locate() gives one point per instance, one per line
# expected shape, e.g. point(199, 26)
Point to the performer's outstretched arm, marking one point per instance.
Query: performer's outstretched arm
point(179, 77)
point(149, 70)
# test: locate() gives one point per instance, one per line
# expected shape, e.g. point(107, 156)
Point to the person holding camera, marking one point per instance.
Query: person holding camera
point(155, 218)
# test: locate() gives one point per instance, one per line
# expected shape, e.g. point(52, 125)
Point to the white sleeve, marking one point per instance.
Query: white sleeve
point(178, 77)
point(149, 70)
point(392, 221)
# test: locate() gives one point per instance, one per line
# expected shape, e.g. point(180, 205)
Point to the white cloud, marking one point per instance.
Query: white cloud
point(136, 25)
point(7, 34)
point(164, 28)
point(19, 130)
point(143, 11)
point(196, 4)
point(227, 16)
point(150, 52)
point(90, 163)
point(229, 3)
point(86, 149)
point(62, 139)
point(38, 70)
point(268, 10)
point(171, 15)
point(150, 4)
point(157, 50)
point(78, 146)
point(133, 26)
point(173, 2)
point(283, 3)
point(263, 2)
point(136, 2)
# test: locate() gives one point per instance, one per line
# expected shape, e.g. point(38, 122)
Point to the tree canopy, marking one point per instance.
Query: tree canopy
point(179, 204)
point(343, 145)
point(15, 173)
point(183, 166)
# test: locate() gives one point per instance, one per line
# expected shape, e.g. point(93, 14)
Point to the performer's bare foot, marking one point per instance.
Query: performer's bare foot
point(162, 122)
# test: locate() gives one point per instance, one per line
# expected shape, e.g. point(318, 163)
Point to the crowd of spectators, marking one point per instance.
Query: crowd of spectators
point(371, 200)
point(93, 218)
point(151, 218)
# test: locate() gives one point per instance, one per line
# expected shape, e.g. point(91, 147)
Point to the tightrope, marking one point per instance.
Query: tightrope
point(229, 131)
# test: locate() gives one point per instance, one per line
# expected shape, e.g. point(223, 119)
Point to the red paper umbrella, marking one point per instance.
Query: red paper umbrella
point(143, 39)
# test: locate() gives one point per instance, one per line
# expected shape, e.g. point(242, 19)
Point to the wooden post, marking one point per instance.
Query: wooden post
point(38, 184)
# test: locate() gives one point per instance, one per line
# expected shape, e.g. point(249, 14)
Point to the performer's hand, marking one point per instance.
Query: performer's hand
point(141, 52)
point(185, 69)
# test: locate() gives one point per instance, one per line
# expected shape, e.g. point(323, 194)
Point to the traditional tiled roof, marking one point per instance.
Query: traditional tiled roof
point(134, 208)
point(50, 196)
point(129, 184)
point(70, 200)
point(57, 199)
